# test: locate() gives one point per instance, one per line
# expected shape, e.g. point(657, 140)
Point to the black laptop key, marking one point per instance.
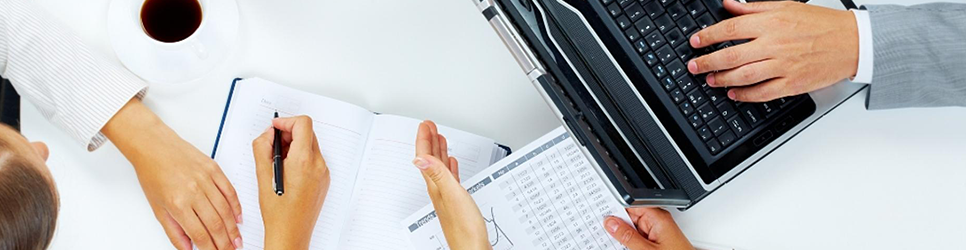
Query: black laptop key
point(666, 2)
point(723, 45)
point(684, 51)
point(655, 39)
point(667, 83)
point(677, 96)
point(624, 3)
point(676, 68)
point(653, 9)
point(726, 109)
point(632, 34)
point(695, 120)
point(687, 25)
point(695, 8)
point(696, 97)
point(727, 138)
point(716, 95)
point(676, 10)
point(784, 101)
point(777, 103)
point(738, 125)
point(716, 9)
point(650, 58)
point(664, 23)
point(614, 9)
point(665, 53)
point(717, 126)
point(675, 38)
point(686, 83)
point(686, 108)
point(766, 109)
point(634, 12)
point(707, 111)
point(705, 133)
point(606, 2)
point(713, 146)
point(659, 71)
point(623, 22)
point(641, 46)
point(751, 114)
point(704, 20)
point(644, 26)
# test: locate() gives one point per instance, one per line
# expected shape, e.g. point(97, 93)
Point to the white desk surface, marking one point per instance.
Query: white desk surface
point(891, 179)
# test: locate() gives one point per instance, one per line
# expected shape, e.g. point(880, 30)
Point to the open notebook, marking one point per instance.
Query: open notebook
point(369, 155)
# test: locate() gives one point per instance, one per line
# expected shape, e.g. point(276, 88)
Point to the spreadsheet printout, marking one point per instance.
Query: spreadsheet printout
point(546, 196)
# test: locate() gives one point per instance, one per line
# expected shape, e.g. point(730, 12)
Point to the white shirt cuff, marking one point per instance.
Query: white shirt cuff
point(863, 73)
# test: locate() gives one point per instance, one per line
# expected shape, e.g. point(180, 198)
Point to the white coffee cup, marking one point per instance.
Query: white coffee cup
point(191, 42)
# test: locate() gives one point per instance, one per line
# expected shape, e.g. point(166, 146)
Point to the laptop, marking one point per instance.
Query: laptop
point(614, 72)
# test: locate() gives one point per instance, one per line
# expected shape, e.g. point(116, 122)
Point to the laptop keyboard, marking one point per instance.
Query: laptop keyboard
point(659, 31)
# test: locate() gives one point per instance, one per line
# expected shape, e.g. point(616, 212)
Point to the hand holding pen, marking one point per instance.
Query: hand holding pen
point(290, 219)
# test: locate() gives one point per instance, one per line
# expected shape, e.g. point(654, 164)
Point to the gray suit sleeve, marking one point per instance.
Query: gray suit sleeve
point(919, 56)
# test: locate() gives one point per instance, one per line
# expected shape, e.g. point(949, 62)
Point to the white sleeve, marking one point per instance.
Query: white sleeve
point(864, 72)
point(75, 89)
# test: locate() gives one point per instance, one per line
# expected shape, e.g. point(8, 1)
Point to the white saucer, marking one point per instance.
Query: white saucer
point(190, 59)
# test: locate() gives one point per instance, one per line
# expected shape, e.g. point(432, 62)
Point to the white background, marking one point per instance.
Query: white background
point(893, 179)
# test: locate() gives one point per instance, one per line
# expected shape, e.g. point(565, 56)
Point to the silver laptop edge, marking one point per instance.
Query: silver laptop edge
point(825, 99)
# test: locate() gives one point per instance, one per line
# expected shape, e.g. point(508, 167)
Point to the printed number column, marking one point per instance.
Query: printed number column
point(571, 201)
point(595, 194)
point(548, 210)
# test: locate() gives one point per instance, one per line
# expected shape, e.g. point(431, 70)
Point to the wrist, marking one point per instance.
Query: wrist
point(134, 128)
point(852, 42)
point(281, 239)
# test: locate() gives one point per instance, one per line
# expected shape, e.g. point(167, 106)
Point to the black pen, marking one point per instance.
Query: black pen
point(277, 161)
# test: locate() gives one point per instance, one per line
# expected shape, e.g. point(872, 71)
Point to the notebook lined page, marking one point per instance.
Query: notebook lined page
point(341, 128)
point(389, 188)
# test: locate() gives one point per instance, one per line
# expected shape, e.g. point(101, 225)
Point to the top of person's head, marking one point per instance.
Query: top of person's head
point(28, 199)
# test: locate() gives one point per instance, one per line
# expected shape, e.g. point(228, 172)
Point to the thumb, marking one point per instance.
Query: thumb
point(738, 8)
point(627, 235)
point(436, 173)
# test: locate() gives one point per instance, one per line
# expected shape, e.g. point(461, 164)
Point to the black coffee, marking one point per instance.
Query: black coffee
point(170, 20)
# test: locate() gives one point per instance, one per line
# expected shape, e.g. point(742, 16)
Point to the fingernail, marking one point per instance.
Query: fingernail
point(693, 67)
point(612, 225)
point(732, 95)
point(238, 219)
point(710, 79)
point(695, 41)
point(238, 243)
point(421, 163)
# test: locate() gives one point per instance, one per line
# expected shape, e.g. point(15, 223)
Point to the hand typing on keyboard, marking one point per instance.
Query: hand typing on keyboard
point(794, 48)
point(656, 230)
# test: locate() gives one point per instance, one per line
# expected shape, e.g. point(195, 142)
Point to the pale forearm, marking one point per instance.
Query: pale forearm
point(282, 240)
point(135, 128)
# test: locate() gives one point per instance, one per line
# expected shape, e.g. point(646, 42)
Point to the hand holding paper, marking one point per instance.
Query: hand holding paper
point(656, 230)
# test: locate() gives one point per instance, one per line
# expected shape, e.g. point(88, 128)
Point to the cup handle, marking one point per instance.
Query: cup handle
point(199, 49)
